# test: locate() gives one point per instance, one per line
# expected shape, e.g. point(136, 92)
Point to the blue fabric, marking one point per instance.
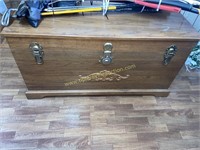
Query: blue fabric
point(35, 9)
point(3, 7)
point(32, 9)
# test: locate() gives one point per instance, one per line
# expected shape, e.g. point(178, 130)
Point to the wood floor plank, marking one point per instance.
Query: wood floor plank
point(56, 116)
point(9, 104)
point(137, 146)
point(93, 100)
point(76, 142)
point(114, 139)
point(102, 147)
point(40, 134)
point(113, 107)
point(134, 113)
point(17, 119)
point(128, 121)
point(56, 125)
point(74, 109)
point(48, 102)
point(7, 135)
point(102, 129)
point(24, 126)
point(190, 134)
point(86, 131)
point(18, 144)
point(158, 136)
point(146, 128)
point(35, 110)
point(11, 91)
point(99, 117)
point(175, 112)
point(183, 126)
point(6, 98)
point(7, 111)
point(145, 100)
point(167, 119)
point(180, 144)
point(153, 107)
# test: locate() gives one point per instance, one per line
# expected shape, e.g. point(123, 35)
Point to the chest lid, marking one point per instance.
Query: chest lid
point(160, 25)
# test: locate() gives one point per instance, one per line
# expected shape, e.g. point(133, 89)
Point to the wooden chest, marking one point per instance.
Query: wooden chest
point(129, 54)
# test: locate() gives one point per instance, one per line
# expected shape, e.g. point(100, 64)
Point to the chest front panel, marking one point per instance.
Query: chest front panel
point(76, 63)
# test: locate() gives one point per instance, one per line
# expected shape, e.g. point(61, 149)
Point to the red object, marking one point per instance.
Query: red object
point(162, 7)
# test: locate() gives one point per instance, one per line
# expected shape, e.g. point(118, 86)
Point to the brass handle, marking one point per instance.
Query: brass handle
point(107, 54)
point(169, 54)
point(37, 51)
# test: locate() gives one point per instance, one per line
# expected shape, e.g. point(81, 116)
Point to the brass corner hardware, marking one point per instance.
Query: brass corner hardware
point(37, 51)
point(169, 54)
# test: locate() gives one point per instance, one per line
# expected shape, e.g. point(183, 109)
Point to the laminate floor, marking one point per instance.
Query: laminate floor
point(98, 123)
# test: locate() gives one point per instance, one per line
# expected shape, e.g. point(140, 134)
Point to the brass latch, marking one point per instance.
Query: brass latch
point(37, 52)
point(107, 57)
point(169, 54)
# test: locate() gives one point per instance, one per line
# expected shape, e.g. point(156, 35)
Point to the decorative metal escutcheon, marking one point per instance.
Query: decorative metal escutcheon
point(37, 52)
point(107, 54)
point(169, 54)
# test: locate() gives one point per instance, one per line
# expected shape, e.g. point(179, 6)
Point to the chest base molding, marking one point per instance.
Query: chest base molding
point(38, 94)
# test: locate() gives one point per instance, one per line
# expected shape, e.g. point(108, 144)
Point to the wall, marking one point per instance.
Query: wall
point(194, 19)
point(12, 3)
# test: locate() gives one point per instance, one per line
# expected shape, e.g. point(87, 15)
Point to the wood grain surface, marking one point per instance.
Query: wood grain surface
point(64, 63)
point(98, 123)
point(73, 47)
point(160, 25)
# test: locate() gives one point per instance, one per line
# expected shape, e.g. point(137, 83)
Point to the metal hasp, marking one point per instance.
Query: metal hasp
point(169, 54)
point(38, 53)
point(107, 57)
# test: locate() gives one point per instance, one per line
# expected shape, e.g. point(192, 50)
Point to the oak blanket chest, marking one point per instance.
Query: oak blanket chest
point(129, 54)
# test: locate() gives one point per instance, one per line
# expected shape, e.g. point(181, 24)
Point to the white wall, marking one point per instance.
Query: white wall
point(194, 19)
